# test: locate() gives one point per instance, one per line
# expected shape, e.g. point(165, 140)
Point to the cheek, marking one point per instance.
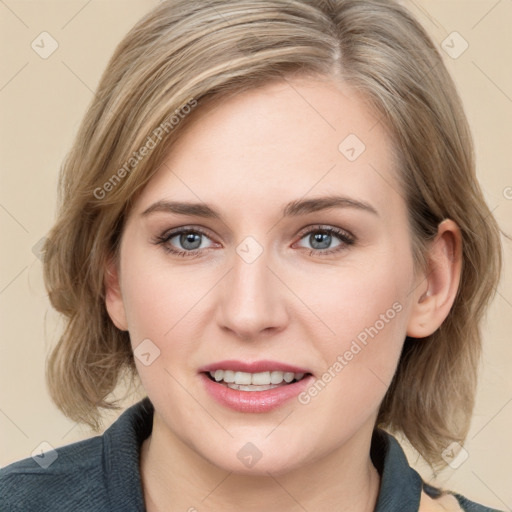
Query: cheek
point(354, 299)
point(149, 310)
point(156, 294)
point(155, 311)
point(164, 304)
point(367, 308)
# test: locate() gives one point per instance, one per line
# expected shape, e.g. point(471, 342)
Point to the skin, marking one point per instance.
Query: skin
point(247, 157)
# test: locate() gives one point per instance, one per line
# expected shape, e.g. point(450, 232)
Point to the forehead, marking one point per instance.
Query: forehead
point(279, 142)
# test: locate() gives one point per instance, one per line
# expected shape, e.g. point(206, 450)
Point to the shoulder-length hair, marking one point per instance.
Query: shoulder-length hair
point(186, 53)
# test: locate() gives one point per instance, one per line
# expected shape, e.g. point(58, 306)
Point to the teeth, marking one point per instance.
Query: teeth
point(251, 387)
point(259, 379)
point(255, 379)
point(276, 377)
point(288, 376)
point(243, 378)
point(229, 376)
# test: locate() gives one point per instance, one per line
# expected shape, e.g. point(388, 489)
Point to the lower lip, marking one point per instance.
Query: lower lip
point(254, 401)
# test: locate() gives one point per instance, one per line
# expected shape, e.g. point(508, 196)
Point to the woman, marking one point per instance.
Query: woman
point(271, 216)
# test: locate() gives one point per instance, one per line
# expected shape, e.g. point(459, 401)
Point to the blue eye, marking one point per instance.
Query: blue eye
point(321, 237)
point(191, 240)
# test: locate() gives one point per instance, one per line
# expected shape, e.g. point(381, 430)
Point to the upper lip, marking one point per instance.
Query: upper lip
point(253, 367)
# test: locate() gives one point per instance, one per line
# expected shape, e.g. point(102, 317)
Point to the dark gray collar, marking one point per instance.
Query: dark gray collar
point(400, 485)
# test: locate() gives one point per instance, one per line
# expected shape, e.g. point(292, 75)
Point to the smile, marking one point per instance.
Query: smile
point(254, 387)
point(261, 381)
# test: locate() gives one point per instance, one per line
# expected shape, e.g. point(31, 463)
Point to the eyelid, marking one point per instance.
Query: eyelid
point(304, 231)
point(345, 237)
point(326, 227)
point(171, 233)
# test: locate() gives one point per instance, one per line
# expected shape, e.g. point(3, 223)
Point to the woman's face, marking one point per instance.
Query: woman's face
point(262, 279)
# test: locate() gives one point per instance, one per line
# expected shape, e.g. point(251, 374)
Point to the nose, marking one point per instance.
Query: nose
point(252, 299)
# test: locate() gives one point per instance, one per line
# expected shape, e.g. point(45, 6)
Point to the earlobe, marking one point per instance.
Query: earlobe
point(435, 294)
point(113, 296)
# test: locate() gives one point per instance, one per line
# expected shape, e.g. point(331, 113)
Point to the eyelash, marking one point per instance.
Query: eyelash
point(346, 238)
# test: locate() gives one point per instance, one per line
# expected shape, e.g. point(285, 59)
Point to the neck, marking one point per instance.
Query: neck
point(175, 477)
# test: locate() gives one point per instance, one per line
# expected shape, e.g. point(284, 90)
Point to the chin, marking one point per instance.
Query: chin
point(255, 458)
point(260, 468)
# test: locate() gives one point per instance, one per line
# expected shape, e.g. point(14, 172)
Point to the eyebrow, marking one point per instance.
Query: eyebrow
point(292, 209)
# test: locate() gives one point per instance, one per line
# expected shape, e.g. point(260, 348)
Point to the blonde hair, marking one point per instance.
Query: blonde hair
point(190, 52)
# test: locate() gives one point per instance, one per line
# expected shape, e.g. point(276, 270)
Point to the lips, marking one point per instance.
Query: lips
point(252, 367)
point(253, 398)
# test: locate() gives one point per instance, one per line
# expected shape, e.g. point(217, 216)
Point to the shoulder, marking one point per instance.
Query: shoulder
point(402, 488)
point(100, 473)
point(435, 500)
point(55, 480)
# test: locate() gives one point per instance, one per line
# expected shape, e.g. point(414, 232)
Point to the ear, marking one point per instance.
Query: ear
point(437, 288)
point(113, 296)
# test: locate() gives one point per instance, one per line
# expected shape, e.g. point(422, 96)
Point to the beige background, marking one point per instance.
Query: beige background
point(42, 102)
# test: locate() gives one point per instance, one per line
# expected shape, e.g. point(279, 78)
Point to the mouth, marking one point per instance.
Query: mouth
point(260, 381)
point(254, 387)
